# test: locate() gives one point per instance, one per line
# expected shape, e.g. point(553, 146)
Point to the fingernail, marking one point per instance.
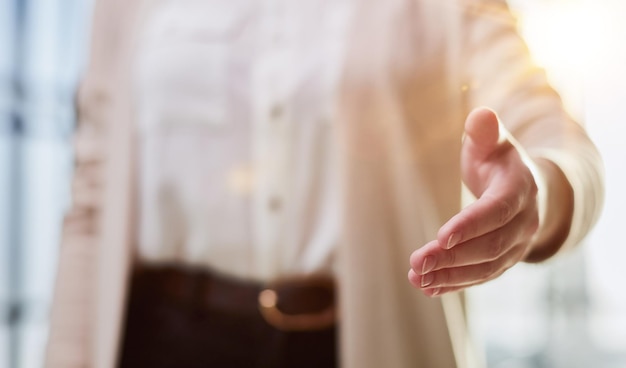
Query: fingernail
point(427, 279)
point(428, 265)
point(435, 292)
point(453, 240)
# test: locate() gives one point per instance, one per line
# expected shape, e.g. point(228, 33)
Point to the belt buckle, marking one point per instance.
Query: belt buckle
point(269, 300)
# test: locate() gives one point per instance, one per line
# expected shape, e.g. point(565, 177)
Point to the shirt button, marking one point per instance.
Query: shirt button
point(275, 204)
point(276, 112)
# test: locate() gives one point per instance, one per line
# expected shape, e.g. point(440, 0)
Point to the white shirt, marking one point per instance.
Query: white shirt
point(235, 109)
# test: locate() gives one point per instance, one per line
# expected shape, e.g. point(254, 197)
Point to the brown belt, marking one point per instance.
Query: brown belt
point(288, 304)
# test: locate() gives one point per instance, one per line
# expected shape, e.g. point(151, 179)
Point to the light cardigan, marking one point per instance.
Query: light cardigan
point(400, 128)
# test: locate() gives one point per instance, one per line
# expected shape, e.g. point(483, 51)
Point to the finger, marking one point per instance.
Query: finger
point(418, 257)
point(488, 247)
point(482, 132)
point(469, 275)
point(496, 208)
point(414, 278)
point(439, 291)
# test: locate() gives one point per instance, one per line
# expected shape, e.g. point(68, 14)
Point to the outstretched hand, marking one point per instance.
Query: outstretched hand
point(496, 231)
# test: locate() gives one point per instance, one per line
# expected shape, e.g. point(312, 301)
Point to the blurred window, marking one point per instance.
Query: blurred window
point(42, 48)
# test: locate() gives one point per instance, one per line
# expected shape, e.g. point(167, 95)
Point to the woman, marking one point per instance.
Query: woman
point(246, 143)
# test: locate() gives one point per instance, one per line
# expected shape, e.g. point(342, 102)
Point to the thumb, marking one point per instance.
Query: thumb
point(482, 134)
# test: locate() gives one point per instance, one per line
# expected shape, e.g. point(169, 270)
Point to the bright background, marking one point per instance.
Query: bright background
point(568, 313)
